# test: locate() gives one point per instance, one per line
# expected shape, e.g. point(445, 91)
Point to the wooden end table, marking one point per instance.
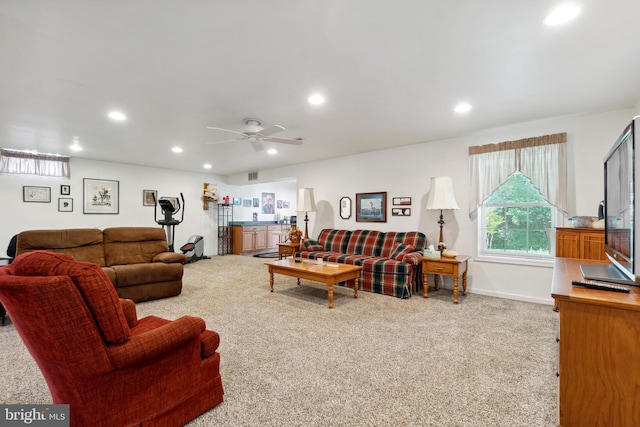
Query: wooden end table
point(290, 249)
point(449, 267)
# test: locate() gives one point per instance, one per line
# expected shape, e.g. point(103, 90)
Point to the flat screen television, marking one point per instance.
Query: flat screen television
point(621, 230)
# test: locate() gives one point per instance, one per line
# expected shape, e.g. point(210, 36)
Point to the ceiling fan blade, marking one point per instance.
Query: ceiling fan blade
point(257, 144)
point(226, 130)
point(271, 130)
point(287, 141)
point(226, 140)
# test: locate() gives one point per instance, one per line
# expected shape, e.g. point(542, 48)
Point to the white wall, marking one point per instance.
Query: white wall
point(401, 172)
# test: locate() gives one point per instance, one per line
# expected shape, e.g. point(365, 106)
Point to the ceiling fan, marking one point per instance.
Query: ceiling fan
point(256, 135)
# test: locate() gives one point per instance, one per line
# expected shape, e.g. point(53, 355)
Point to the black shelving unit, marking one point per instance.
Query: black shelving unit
point(225, 234)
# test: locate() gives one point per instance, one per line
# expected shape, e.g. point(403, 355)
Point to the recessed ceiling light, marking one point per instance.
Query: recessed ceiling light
point(562, 14)
point(76, 144)
point(463, 107)
point(206, 166)
point(316, 99)
point(272, 151)
point(177, 149)
point(117, 115)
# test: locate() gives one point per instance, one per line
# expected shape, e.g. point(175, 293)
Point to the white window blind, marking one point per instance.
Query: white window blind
point(25, 163)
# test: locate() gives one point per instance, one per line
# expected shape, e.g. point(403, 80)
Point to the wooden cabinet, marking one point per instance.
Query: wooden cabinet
point(253, 238)
point(249, 238)
point(599, 351)
point(276, 234)
point(584, 243)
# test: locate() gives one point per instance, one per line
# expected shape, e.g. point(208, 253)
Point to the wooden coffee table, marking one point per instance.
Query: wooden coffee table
point(328, 273)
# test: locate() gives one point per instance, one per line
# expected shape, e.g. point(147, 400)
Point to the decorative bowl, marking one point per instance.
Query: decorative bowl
point(583, 221)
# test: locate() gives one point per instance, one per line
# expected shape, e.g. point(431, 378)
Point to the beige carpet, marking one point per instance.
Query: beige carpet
point(287, 360)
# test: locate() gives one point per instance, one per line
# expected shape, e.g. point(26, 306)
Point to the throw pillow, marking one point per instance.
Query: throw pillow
point(312, 245)
point(400, 250)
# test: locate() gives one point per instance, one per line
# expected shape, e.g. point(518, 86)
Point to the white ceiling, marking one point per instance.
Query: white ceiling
point(391, 70)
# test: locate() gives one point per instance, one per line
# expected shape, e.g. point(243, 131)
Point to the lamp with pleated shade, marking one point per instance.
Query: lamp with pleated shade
point(306, 203)
point(441, 197)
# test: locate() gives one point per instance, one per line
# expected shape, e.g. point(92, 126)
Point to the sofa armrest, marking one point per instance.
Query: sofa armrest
point(169, 257)
point(129, 309)
point(156, 342)
point(413, 258)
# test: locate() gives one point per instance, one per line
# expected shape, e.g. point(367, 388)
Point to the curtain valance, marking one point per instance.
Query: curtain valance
point(541, 159)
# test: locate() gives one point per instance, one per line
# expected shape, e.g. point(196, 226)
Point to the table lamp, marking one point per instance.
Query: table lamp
point(306, 203)
point(441, 197)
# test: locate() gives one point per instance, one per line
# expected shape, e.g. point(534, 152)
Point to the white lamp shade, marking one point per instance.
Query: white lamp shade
point(441, 195)
point(306, 200)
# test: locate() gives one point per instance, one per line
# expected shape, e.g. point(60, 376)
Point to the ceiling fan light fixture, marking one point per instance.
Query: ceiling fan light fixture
point(272, 151)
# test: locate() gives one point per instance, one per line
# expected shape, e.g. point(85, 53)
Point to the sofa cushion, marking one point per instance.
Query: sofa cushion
point(414, 238)
point(83, 244)
point(364, 242)
point(170, 257)
point(149, 272)
point(311, 245)
point(400, 250)
point(133, 245)
point(95, 287)
point(334, 240)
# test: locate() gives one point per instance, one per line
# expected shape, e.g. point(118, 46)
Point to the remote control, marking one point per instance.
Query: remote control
point(603, 286)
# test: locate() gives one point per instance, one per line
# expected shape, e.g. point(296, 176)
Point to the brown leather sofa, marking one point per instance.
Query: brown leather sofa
point(136, 259)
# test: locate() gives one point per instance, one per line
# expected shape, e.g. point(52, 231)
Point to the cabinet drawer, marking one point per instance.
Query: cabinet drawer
point(259, 229)
point(439, 267)
point(277, 228)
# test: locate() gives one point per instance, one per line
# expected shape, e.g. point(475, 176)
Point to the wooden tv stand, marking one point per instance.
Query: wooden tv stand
point(599, 351)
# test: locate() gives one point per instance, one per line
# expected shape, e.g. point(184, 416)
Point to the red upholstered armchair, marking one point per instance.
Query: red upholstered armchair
point(110, 367)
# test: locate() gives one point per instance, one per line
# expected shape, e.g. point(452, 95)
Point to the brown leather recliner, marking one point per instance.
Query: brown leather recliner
point(112, 368)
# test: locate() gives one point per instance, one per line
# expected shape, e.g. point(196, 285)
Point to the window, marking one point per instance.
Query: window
point(516, 221)
point(517, 191)
point(26, 163)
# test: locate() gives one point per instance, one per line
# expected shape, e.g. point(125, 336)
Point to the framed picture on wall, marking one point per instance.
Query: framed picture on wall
point(149, 197)
point(65, 204)
point(401, 211)
point(65, 190)
point(36, 194)
point(101, 196)
point(399, 201)
point(371, 207)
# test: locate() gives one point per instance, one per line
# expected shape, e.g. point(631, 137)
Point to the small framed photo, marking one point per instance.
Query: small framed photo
point(149, 197)
point(65, 204)
point(371, 207)
point(246, 203)
point(36, 194)
point(65, 190)
point(101, 196)
point(401, 211)
point(237, 201)
point(401, 201)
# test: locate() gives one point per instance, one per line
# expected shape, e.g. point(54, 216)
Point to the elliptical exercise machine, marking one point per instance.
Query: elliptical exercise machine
point(168, 210)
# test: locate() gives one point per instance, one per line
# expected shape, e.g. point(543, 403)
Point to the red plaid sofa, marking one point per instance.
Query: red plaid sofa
point(391, 261)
